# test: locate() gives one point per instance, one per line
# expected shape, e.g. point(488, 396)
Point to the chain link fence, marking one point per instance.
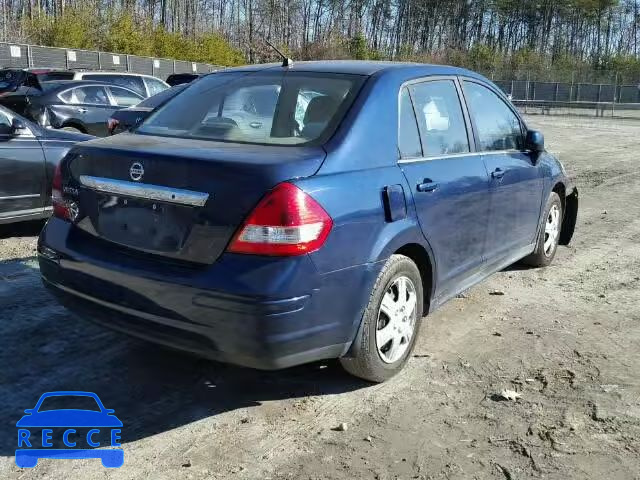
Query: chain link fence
point(18, 55)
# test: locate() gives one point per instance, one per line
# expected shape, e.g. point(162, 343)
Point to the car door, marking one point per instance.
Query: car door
point(448, 179)
point(22, 171)
point(91, 106)
point(515, 178)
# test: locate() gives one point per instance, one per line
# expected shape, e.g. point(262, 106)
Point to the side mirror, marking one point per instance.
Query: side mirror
point(29, 411)
point(534, 141)
point(18, 127)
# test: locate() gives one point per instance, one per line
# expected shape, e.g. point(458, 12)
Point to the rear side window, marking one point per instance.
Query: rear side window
point(440, 118)
point(498, 128)
point(86, 96)
point(124, 97)
point(260, 108)
point(408, 136)
point(160, 98)
point(132, 82)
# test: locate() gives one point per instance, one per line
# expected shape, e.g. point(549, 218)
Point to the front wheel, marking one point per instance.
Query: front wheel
point(547, 243)
point(390, 322)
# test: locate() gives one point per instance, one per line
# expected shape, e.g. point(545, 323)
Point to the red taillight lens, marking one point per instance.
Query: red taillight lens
point(112, 123)
point(60, 208)
point(286, 222)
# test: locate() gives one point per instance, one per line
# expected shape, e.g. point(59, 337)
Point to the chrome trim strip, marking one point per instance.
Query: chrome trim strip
point(17, 197)
point(145, 190)
point(457, 155)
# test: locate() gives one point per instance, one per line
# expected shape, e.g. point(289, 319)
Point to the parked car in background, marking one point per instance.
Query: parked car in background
point(124, 119)
point(146, 85)
point(28, 157)
point(180, 78)
point(325, 233)
point(80, 106)
point(12, 79)
point(15, 82)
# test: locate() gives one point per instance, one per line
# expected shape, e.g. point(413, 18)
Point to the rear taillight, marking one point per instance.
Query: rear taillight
point(286, 222)
point(60, 207)
point(112, 123)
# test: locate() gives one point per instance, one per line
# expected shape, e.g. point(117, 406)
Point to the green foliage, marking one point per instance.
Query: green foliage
point(358, 47)
point(124, 33)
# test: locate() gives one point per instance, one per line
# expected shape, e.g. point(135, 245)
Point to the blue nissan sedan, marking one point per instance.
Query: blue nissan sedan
point(274, 215)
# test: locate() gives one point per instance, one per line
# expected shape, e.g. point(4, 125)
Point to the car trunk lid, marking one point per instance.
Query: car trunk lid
point(181, 199)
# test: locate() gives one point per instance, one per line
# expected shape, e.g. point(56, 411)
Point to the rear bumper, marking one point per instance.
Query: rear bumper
point(258, 312)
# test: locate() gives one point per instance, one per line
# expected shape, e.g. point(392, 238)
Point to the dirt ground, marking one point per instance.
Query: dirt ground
point(567, 338)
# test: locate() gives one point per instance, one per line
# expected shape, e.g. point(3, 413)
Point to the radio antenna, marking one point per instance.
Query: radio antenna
point(286, 61)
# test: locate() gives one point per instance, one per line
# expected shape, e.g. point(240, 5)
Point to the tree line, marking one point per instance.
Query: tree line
point(501, 38)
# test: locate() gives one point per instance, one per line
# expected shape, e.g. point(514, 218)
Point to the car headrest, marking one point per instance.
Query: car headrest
point(320, 110)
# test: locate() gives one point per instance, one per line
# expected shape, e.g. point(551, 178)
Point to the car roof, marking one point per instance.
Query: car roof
point(358, 67)
point(52, 84)
point(114, 72)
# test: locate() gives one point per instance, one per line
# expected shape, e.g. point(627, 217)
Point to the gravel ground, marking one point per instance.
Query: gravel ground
point(567, 338)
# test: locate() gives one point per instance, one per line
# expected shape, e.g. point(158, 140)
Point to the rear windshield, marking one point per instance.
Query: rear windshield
point(272, 108)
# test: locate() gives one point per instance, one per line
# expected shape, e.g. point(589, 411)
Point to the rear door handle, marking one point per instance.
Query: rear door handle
point(498, 173)
point(427, 185)
point(82, 110)
point(255, 125)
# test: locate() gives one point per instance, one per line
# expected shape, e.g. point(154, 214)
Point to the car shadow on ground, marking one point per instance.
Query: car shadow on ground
point(21, 229)
point(152, 389)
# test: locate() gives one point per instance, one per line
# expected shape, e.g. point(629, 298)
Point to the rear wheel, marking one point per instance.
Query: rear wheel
point(390, 323)
point(71, 129)
point(549, 234)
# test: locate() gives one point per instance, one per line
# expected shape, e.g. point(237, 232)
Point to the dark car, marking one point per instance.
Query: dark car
point(181, 78)
point(124, 119)
point(80, 106)
point(328, 234)
point(12, 79)
point(28, 157)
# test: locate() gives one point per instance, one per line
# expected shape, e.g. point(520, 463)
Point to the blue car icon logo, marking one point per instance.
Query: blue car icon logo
point(71, 428)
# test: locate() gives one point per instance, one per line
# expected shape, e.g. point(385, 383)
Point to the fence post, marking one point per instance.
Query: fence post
point(174, 66)
point(99, 61)
point(555, 94)
point(615, 90)
point(29, 57)
point(127, 62)
point(571, 88)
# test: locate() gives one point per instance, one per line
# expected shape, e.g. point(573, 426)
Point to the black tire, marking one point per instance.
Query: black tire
point(71, 129)
point(364, 360)
point(541, 257)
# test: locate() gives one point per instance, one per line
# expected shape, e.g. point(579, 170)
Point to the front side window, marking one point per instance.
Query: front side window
point(4, 120)
point(498, 128)
point(408, 136)
point(124, 97)
point(440, 118)
point(86, 96)
point(260, 108)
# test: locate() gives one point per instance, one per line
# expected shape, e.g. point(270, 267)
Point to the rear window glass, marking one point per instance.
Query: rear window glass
point(261, 108)
point(52, 76)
